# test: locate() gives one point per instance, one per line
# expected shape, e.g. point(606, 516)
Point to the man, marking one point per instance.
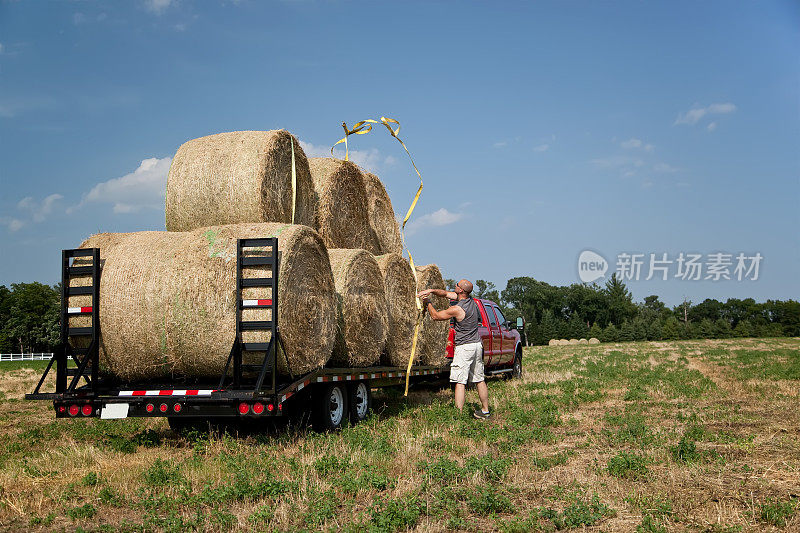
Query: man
point(467, 365)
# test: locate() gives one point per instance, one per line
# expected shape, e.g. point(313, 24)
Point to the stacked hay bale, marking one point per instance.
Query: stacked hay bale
point(432, 341)
point(241, 176)
point(553, 342)
point(594, 340)
point(169, 299)
point(362, 315)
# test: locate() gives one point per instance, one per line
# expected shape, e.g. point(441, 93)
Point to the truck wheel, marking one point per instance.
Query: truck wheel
point(517, 372)
point(360, 402)
point(330, 408)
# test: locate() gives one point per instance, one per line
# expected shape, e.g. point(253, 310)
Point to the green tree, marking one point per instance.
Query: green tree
point(619, 301)
point(595, 331)
point(744, 329)
point(34, 316)
point(486, 289)
point(706, 329)
point(672, 329)
point(548, 328)
point(610, 333)
point(722, 329)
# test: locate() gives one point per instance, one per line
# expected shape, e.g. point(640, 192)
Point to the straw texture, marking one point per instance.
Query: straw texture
point(432, 343)
point(362, 315)
point(168, 300)
point(398, 281)
point(342, 216)
point(241, 176)
point(381, 216)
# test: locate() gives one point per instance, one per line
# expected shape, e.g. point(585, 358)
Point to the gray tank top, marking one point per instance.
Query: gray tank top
point(467, 329)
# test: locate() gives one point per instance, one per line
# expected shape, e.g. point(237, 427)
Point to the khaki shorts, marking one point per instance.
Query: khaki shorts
point(467, 365)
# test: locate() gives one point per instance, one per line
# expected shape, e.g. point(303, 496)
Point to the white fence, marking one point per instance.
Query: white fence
point(25, 356)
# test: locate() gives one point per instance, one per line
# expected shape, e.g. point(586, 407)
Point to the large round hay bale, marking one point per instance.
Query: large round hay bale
point(362, 316)
point(583, 341)
point(168, 300)
point(564, 342)
point(381, 216)
point(594, 340)
point(574, 341)
point(553, 342)
point(241, 176)
point(398, 280)
point(342, 214)
point(432, 342)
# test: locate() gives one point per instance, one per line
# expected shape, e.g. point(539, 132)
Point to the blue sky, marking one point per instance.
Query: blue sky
point(542, 129)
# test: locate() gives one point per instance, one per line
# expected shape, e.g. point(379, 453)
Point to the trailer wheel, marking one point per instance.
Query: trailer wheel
point(330, 408)
point(360, 402)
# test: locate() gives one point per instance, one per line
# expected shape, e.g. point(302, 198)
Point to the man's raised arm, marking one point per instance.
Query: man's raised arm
point(438, 292)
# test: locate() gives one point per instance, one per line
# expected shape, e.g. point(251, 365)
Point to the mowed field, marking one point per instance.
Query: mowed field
point(656, 436)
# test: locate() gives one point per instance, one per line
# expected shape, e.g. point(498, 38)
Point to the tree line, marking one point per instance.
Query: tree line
point(29, 314)
point(609, 313)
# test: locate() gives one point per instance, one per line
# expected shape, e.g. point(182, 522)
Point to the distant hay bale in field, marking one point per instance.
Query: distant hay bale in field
point(573, 342)
point(398, 280)
point(583, 341)
point(168, 300)
point(593, 340)
point(564, 342)
point(381, 215)
point(432, 343)
point(342, 213)
point(553, 342)
point(363, 317)
point(236, 177)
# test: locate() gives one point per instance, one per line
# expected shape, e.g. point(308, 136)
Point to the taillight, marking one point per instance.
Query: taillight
point(243, 408)
point(258, 408)
point(270, 407)
point(280, 407)
point(163, 408)
point(86, 410)
point(149, 407)
point(74, 410)
point(176, 408)
point(62, 409)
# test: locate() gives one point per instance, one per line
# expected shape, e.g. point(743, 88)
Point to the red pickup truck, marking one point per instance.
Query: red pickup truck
point(502, 349)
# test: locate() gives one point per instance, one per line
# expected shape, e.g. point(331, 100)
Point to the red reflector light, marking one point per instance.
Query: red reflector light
point(258, 408)
point(163, 408)
point(280, 407)
point(244, 408)
point(86, 309)
point(62, 409)
point(74, 410)
point(176, 408)
point(87, 410)
point(270, 408)
point(149, 407)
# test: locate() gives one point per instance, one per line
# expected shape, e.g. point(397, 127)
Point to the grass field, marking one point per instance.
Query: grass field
point(651, 437)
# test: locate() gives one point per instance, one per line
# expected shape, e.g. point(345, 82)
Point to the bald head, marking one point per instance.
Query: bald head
point(465, 286)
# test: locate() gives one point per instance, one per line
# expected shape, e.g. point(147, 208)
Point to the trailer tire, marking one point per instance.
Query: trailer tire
point(330, 408)
point(360, 401)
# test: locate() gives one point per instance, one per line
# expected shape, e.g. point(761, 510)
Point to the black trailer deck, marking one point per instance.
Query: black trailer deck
point(242, 390)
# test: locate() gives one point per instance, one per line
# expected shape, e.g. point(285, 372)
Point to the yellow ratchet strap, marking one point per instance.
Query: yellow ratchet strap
point(359, 128)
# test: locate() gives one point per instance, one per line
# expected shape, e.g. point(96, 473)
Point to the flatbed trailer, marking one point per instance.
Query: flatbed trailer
point(243, 391)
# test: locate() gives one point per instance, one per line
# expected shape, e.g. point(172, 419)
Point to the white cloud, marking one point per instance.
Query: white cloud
point(694, 115)
point(541, 148)
point(13, 224)
point(637, 143)
point(144, 188)
point(39, 211)
point(712, 126)
point(78, 18)
point(440, 217)
point(157, 6)
point(617, 161)
point(371, 160)
point(500, 144)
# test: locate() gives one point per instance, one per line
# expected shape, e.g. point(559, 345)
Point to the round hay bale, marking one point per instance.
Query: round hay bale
point(583, 341)
point(564, 342)
point(593, 340)
point(573, 342)
point(168, 301)
point(432, 341)
point(381, 216)
point(553, 342)
point(342, 215)
point(398, 280)
point(241, 176)
point(362, 316)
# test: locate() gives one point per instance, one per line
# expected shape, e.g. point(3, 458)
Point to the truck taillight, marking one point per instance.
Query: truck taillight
point(244, 408)
point(258, 408)
point(87, 410)
point(163, 408)
point(149, 407)
point(177, 408)
point(74, 410)
point(270, 408)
